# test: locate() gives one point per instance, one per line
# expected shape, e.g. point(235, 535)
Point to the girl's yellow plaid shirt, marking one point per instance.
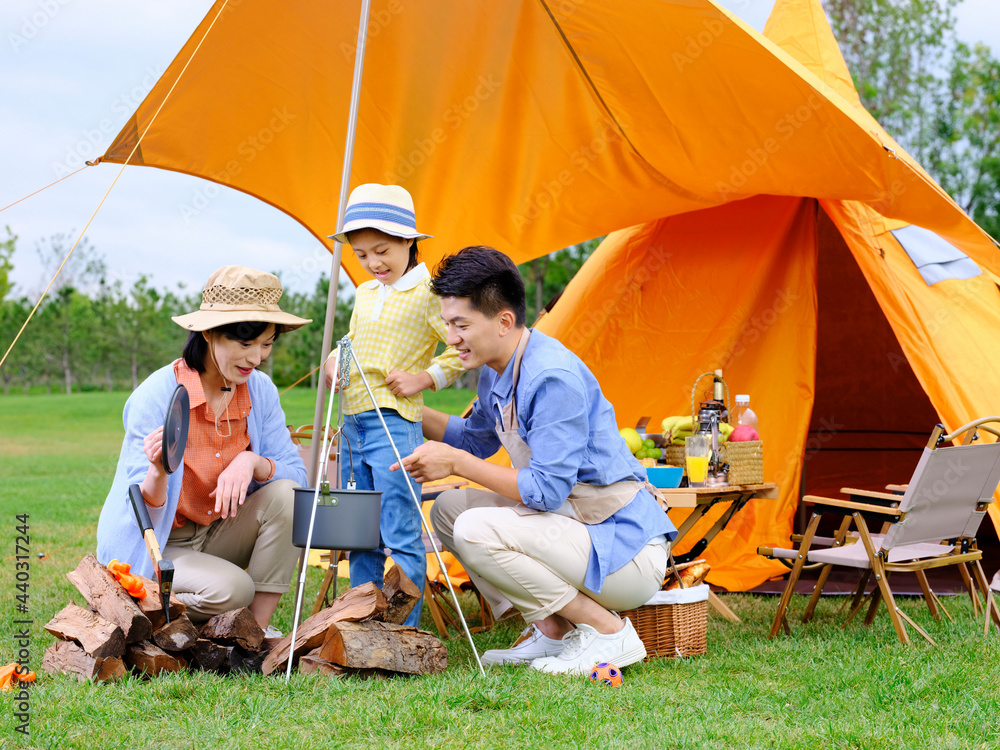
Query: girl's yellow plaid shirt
point(398, 327)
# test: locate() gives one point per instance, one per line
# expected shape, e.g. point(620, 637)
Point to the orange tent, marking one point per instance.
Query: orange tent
point(813, 307)
point(535, 124)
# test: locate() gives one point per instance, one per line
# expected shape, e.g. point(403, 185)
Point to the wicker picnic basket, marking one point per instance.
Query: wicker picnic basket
point(673, 623)
point(746, 461)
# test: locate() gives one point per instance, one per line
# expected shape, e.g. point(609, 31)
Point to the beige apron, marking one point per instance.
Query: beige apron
point(589, 503)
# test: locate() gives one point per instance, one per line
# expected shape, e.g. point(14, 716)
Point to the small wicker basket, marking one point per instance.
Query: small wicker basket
point(670, 630)
point(746, 461)
point(674, 455)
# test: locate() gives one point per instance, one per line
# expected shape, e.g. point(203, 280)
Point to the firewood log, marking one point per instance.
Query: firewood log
point(382, 645)
point(110, 599)
point(245, 662)
point(98, 637)
point(358, 603)
point(179, 634)
point(236, 627)
point(401, 595)
point(68, 657)
point(152, 604)
point(313, 663)
point(209, 656)
point(145, 657)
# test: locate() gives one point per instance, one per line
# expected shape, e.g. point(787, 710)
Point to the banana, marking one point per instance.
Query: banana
point(675, 429)
point(668, 424)
point(672, 426)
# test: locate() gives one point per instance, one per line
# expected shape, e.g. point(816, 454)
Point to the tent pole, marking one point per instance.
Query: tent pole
point(345, 184)
point(331, 296)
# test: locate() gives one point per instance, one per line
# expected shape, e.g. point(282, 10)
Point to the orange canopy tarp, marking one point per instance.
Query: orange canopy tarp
point(528, 125)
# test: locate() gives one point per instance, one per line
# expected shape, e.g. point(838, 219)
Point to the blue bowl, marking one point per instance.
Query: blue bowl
point(665, 477)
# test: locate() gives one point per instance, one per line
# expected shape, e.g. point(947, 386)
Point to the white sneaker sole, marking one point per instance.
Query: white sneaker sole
point(636, 654)
point(623, 659)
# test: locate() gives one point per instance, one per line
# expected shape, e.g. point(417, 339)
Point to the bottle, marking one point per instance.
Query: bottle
point(743, 414)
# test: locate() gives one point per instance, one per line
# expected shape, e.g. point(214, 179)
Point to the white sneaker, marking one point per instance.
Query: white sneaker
point(531, 645)
point(272, 632)
point(585, 647)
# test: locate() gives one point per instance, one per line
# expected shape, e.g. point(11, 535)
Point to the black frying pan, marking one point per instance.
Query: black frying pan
point(175, 431)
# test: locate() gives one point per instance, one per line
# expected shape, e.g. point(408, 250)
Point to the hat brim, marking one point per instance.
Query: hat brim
point(396, 230)
point(203, 320)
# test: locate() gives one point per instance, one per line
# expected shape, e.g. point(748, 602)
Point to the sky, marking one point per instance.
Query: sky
point(72, 72)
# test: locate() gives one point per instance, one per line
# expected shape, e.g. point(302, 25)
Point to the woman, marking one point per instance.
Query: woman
point(226, 513)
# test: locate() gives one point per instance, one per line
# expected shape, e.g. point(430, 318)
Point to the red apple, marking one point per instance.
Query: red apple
point(742, 433)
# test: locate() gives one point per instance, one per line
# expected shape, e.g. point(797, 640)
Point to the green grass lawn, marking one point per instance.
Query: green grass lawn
point(821, 688)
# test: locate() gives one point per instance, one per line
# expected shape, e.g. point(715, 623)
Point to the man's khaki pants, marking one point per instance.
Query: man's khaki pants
point(535, 562)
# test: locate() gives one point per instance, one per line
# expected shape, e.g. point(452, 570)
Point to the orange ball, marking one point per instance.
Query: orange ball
point(606, 673)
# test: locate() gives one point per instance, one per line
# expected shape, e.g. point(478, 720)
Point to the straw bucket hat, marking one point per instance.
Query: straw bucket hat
point(388, 208)
point(237, 294)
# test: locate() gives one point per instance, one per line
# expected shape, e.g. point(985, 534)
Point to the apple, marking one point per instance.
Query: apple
point(743, 433)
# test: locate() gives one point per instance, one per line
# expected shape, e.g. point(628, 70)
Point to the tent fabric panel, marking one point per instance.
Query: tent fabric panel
point(924, 247)
point(936, 259)
point(933, 273)
point(482, 115)
point(731, 287)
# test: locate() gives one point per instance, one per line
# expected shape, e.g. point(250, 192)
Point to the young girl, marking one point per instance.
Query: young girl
point(395, 328)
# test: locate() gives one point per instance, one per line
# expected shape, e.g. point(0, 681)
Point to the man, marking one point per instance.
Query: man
point(571, 530)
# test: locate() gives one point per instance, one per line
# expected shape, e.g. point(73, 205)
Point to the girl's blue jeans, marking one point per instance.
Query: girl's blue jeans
point(400, 519)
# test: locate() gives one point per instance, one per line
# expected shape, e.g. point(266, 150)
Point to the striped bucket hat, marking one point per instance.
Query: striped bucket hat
point(388, 208)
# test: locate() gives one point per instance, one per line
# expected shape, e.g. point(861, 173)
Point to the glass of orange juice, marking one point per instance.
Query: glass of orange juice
point(697, 450)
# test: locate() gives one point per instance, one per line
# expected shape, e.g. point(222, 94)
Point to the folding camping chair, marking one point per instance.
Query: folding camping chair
point(844, 536)
point(933, 524)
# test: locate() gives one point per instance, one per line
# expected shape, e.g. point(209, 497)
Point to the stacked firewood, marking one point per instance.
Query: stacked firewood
point(358, 633)
point(361, 633)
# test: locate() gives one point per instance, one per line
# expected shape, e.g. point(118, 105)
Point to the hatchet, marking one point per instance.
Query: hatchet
point(164, 568)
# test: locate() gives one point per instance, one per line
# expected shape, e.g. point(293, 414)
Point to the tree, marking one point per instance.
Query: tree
point(545, 278)
point(7, 247)
point(965, 155)
point(298, 353)
point(13, 313)
point(67, 323)
point(893, 49)
point(938, 97)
